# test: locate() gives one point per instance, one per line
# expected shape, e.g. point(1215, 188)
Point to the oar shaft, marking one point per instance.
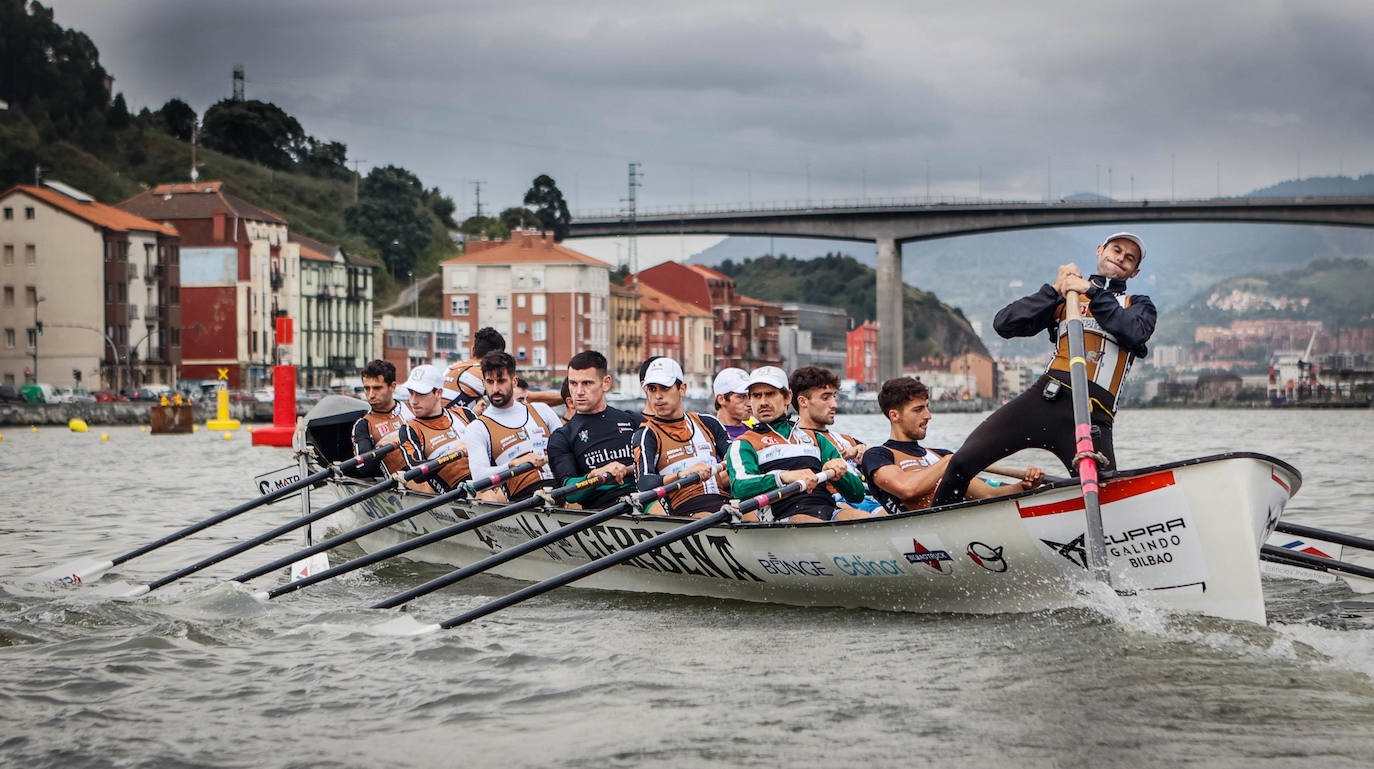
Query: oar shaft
point(1087, 464)
point(1348, 540)
point(529, 546)
point(1315, 562)
point(265, 499)
point(634, 551)
point(414, 473)
point(381, 523)
point(432, 537)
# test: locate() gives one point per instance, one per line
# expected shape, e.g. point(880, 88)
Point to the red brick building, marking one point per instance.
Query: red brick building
point(861, 360)
point(746, 329)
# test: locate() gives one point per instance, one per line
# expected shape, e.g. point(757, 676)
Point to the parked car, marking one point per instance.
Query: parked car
point(37, 393)
point(10, 394)
point(109, 396)
point(240, 396)
point(264, 395)
point(75, 395)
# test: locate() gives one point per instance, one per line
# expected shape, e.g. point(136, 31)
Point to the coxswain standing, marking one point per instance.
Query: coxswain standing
point(1116, 327)
point(774, 453)
point(902, 474)
point(672, 443)
point(509, 433)
point(383, 423)
point(596, 440)
point(434, 431)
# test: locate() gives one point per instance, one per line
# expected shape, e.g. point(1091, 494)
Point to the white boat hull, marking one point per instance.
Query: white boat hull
point(1185, 535)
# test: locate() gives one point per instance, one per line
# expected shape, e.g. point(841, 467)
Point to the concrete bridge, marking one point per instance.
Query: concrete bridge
point(889, 225)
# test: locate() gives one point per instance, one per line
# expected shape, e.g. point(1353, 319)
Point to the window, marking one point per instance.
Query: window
point(28, 212)
point(458, 305)
point(520, 327)
point(30, 254)
point(539, 331)
point(9, 213)
point(9, 338)
point(537, 303)
point(540, 358)
point(9, 253)
point(520, 300)
point(33, 338)
point(30, 296)
point(520, 354)
point(9, 296)
point(502, 302)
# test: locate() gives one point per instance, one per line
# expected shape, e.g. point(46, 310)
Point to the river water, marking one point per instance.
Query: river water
point(201, 676)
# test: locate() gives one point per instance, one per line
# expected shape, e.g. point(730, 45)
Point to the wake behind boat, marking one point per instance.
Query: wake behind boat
point(1185, 535)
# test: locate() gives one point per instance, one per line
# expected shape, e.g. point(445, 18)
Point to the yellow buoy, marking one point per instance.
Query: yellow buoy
point(104, 436)
point(249, 428)
point(77, 425)
point(143, 428)
point(194, 428)
point(228, 436)
point(2, 437)
point(33, 428)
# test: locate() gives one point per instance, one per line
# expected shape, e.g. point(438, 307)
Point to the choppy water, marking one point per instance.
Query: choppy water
point(200, 676)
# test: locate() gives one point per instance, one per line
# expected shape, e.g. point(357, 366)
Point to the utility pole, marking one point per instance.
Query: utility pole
point(356, 175)
point(238, 82)
point(630, 201)
point(477, 189)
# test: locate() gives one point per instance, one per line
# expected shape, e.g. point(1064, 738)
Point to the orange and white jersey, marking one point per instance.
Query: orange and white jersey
point(1107, 362)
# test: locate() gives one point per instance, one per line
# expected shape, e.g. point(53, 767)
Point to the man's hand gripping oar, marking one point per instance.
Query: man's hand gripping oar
point(88, 569)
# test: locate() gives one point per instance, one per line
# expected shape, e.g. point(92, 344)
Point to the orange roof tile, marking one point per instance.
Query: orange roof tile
point(99, 214)
point(672, 304)
point(524, 249)
point(707, 271)
point(196, 200)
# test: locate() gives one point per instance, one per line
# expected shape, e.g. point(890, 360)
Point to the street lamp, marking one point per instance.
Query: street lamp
point(37, 332)
point(133, 348)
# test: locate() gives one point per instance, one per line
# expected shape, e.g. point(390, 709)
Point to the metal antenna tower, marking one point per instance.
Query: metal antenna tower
point(477, 195)
point(356, 175)
point(238, 82)
point(632, 255)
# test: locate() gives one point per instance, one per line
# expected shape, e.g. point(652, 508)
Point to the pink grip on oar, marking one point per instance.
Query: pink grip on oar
point(660, 492)
point(495, 479)
point(762, 499)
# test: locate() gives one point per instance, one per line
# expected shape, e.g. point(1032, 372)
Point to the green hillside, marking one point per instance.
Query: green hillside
point(930, 327)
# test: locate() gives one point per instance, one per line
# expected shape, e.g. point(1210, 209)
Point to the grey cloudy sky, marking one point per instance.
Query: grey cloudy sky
point(739, 101)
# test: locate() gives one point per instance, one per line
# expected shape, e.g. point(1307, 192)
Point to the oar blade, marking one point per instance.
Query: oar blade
point(77, 572)
point(307, 566)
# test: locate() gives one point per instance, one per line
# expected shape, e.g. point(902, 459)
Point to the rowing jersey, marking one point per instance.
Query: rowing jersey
point(758, 458)
point(589, 441)
point(907, 456)
point(426, 438)
point(665, 447)
point(463, 383)
point(500, 435)
point(369, 431)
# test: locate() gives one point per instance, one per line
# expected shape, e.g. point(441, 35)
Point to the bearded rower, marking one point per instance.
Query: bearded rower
point(510, 433)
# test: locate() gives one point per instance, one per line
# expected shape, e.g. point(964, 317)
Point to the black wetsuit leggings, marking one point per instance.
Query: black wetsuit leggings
point(1027, 421)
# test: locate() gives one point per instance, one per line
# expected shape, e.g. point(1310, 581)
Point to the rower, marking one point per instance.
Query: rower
point(596, 440)
point(509, 433)
point(773, 453)
point(434, 431)
point(902, 474)
point(383, 422)
point(463, 383)
point(672, 443)
point(814, 392)
point(731, 389)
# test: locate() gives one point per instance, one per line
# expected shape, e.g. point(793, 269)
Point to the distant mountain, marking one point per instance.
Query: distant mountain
point(930, 327)
point(1318, 187)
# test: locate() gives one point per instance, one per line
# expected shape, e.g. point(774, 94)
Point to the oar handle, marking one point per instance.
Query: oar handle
point(1019, 474)
point(431, 466)
point(763, 500)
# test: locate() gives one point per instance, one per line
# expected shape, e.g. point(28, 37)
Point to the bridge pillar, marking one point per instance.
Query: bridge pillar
point(889, 308)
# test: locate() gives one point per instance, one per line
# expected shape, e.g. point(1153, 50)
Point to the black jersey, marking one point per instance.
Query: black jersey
point(588, 441)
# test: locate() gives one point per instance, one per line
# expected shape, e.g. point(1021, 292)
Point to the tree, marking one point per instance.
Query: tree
point(178, 118)
point(517, 218)
point(549, 206)
point(443, 207)
point(118, 117)
point(254, 130)
point(323, 159)
point(484, 227)
point(390, 217)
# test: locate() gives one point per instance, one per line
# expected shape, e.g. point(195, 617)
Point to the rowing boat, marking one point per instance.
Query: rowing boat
point(1185, 535)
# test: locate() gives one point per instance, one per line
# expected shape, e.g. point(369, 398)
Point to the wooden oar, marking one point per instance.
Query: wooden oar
point(1314, 562)
point(1020, 475)
point(434, 536)
point(544, 540)
point(1348, 540)
point(415, 473)
point(1087, 453)
point(588, 569)
point(87, 569)
point(463, 490)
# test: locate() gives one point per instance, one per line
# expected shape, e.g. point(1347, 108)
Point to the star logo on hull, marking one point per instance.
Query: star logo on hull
point(1073, 550)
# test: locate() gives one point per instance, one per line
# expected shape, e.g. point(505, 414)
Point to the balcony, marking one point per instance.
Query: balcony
point(133, 312)
point(276, 280)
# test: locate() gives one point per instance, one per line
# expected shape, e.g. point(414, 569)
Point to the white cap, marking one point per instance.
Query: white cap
point(1127, 236)
point(663, 371)
point(769, 375)
point(423, 379)
point(731, 380)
